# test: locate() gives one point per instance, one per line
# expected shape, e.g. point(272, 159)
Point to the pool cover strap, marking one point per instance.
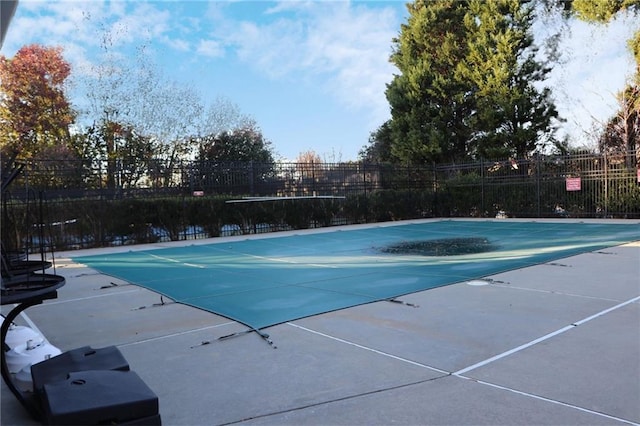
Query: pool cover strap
point(262, 334)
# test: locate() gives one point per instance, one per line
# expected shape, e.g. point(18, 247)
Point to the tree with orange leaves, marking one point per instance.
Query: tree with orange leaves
point(35, 114)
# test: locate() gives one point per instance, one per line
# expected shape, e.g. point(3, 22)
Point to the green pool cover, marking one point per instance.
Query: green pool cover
point(267, 281)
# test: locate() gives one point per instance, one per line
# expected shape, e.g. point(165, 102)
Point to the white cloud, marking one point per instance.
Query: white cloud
point(288, 6)
point(343, 44)
point(276, 49)
point(355, 42)
point(56, 23)
point(210, 48)
point(177, 44)
point(68, 23)
point(342, 47)
point(142, 22)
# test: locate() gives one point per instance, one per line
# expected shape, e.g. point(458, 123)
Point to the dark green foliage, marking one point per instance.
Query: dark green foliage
point(429, 105)
point(100, 222)
point(388, 205)
point(459, 196)
point(379, 148)
point(240, 159)
point(239, 145)
point(513, 117)
point(84, 223)
point(207, 212)
point(130, 221)
point(326, 211)
point(90, 220)
point(622, 196)
point(468, 84)
point(356, 208)
point(169, 216)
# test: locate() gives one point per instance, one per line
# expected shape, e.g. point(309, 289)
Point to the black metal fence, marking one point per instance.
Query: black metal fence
point(75, 179)
point(581, 185)
point(74, 204)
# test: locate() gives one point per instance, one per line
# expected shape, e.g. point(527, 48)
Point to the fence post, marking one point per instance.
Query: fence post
point(191, 172)
point(364, 187)
point(538, 184)
point(251, 178)
point(482, 209)
point(436, 208)
point(313, 176)
point(606, 185)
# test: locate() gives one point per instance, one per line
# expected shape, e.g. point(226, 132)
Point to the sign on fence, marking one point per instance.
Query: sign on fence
point(574, 184)
point(638, 175)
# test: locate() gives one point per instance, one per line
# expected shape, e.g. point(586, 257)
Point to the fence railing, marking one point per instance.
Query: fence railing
point(84, 206)
point(76, 179)
point(584, 185)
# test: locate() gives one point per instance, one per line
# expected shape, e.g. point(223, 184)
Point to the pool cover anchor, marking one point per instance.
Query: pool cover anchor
point(494, 281)
point(154, 305)
point(558, 264)
point(402, 302)
point(262, 334)
point(110, 285)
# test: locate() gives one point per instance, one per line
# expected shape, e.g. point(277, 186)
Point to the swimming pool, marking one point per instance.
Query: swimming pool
point(267, 281)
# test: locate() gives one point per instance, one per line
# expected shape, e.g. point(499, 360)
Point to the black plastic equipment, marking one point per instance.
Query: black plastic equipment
point(85, 358)
point(100, 397)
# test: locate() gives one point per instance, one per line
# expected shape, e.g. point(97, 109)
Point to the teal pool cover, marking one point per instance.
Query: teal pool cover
point(268, 281)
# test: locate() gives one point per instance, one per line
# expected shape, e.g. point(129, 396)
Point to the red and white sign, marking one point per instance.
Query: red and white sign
point(574, 184)
point(198, 193)
point(638, 175)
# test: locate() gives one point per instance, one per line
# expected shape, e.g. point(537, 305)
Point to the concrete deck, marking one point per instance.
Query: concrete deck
point(552, 344)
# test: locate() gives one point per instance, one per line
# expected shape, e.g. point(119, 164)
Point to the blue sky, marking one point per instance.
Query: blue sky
point(311, 73)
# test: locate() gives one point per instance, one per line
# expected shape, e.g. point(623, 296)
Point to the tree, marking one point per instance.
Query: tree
point(124, 154)
point(430, 107)
point(309, 157)
point(622, 132)
point(236, 158)
point(135, 94)
point(222, 119)
point(513, 117)
point(601, 10)
point(34, 110)
point(224, 115)
point(90, 157)
point(242, 144)
point(468, 83)
point(309, 166)
point(379, 148)
point(134, 155)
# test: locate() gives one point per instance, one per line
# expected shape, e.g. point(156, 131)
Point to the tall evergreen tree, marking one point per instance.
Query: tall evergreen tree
point(468, 82)
point(429, 105)
point(513, 115)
